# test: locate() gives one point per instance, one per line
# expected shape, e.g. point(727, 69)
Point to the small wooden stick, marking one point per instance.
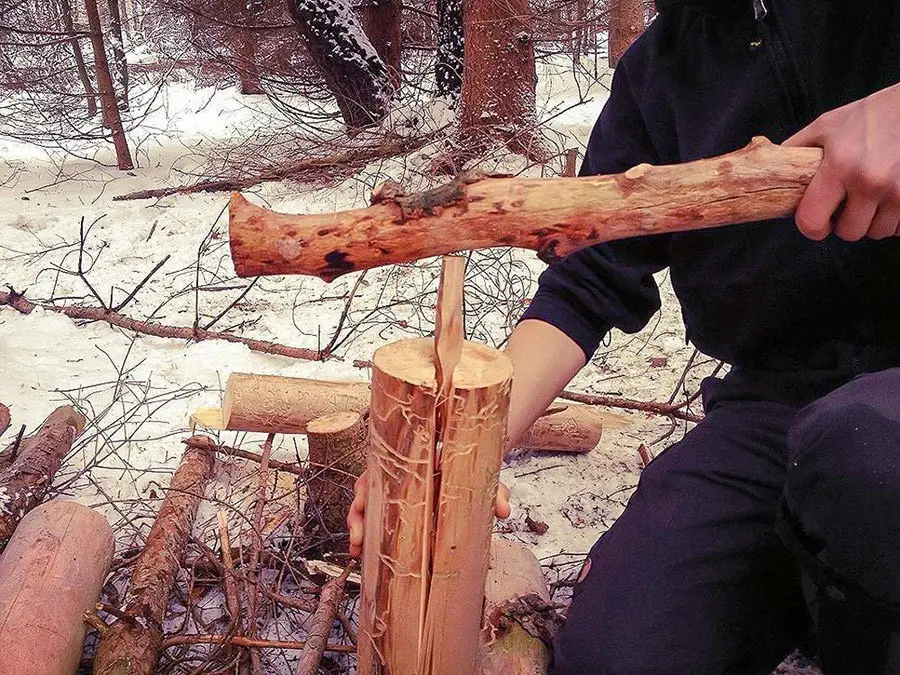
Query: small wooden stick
point(326, 613)
point(177, 640)
point(232, 598)
point(206, 442)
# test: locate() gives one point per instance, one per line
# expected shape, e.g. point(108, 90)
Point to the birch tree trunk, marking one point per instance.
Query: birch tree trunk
point(111, 117)
point(354, 73)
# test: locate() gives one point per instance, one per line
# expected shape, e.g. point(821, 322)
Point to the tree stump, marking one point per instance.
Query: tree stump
point(51, 572)
point(427, 538)
point(337, 456)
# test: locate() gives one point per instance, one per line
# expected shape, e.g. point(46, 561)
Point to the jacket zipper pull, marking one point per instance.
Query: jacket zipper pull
point(760, 11)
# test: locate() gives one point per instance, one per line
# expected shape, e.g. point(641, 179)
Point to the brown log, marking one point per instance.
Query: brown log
point(24, 483)
point(51, 571)
point(131, 645)
point(571, 428)
point(317, 640)
point(408, 599)
point(337, 456)
point(515, 596)
point(4, 419)
point(554, 216)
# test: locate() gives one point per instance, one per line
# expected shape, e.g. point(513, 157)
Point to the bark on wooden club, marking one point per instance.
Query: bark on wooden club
point(50, 573)
point(552, 216)
point(401, 587)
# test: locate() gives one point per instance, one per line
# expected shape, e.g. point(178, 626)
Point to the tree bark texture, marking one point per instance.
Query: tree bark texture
point(353, 71)
point(131, 646)
point(381, 23)
point(108, 103)
point(51, 572)
point(118, 49)
point(448, 70)
point(517, 610)
point(499, 78)
point(337, 457)
point(626, 23)
point(414, 588)
point(4, 419)
point(553, 216)
point(244, 42)
point(78, 55)
point(24, 483)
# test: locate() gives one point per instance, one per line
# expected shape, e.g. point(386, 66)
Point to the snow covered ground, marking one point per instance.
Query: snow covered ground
point(139, 391)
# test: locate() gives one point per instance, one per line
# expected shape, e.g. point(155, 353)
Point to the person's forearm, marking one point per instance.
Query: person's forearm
point(545, 360)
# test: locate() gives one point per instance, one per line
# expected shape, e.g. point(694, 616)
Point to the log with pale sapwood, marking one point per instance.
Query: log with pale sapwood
point(337, 457)
point(51, 572)
point(275, 404)
point(554, 216)
point(131, 645)
point(25, 481)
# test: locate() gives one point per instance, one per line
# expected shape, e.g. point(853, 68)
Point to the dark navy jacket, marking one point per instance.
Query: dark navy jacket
point(704, 78)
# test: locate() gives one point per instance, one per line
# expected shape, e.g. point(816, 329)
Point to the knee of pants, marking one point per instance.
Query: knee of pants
point(843, 482)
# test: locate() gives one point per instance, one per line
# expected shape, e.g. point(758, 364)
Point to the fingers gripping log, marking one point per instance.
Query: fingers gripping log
point(552, 216)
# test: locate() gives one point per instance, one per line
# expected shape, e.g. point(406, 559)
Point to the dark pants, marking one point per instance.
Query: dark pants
point(694, 577)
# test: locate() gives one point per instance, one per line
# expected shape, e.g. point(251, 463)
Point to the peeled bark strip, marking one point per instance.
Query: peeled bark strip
point(554, 216)
point(515, 597)
point(51, 572)
point(131, 646)
point(399, 515)
point(337, 457)
point(24, 483)
point(286, 405)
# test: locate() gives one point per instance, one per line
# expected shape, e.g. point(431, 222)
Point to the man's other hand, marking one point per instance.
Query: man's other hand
point(856, 191)
point(357, 514)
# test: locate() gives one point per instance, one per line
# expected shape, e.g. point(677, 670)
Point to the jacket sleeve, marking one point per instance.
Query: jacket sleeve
point(609, 285)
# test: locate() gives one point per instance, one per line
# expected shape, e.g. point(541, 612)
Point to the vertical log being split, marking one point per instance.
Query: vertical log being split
point(397, 579)
point(131, 646)
point(24, 483)
point(50, 573)
point(337, 456)
point(515, 596)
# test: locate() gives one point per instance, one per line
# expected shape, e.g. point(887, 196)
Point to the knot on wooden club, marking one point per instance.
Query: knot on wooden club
point(534, 614)
point(430, 202)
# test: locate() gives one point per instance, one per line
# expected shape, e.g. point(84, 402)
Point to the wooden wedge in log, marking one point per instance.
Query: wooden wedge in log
point(554, 216)
point(25, 481)
point(50, 573)
point(131, 645)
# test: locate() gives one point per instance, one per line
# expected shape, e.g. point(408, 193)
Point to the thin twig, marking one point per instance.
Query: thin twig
point(246, 454)
point(176, 640)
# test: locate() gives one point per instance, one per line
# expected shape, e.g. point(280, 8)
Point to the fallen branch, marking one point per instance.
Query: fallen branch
point(178, 640)
point(80, 313)
point(206, 442)
point(317, 640)
point(666, 409)
point(354, 157)
point(24, 483)
point(554, 216)
point(132, 644)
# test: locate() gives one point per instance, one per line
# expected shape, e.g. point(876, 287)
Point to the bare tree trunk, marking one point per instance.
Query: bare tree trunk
point(80, 66)
point(353, 71)
point(118, 48)
point(111, 117)
point(498, 92)
point(450, 41)
point(626, 23)
point(381, 22)
point(244, 42)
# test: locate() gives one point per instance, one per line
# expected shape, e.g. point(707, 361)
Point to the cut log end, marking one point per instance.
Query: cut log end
point(412, 361)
